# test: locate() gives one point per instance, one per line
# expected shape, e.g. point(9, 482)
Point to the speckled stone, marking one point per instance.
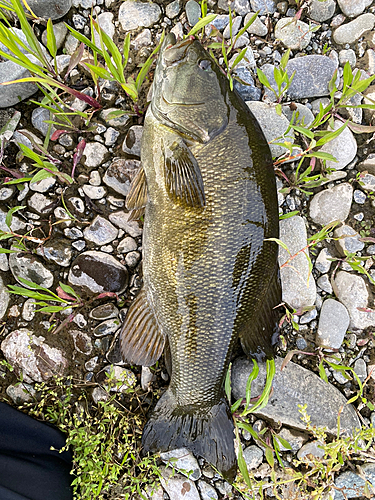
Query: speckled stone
point(183, 461)
point(293, 34)
point(331, 204)
point(134, 14)
point(350, 32)
point(353, 8)
point(333, 324)
point(353, 485)
point(342, 147)
point(349, 240)
point(322, 11)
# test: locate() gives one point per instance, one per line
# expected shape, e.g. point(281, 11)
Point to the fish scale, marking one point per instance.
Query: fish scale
point(210, 272)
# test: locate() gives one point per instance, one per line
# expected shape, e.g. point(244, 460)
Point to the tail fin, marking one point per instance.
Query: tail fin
point(207, 432)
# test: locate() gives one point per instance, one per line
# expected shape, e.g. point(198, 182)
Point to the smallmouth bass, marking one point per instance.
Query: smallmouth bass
point(208, 189)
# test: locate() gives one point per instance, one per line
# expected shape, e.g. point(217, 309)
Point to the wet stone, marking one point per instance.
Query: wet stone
point(333, 324)
point(94, 192)
point(207, 491)
point(308, 317)
point(4, 299)
point(120, 219)
point(104, 311)
point(108, 327)
point(253, 456)
point(359, 197)
point(98, 272)
point(15, 225)
point(116, 121)
point(6, 193)
point(92, 364)
point(298, 285)
point(126, 245)
point(331, 204)
point(111, 135)
point(248, 91)
point(294, 34)
point(38, 119)
point(82, 342)
point(94, 154)
point(73, 233)
point(32, 357)
point(351, 290)
point(323, 262)
point(30, 268)
point(120, 173)
point(193, 12)
point(352, 31)
point(132, 259)
point(58, 251)
point(293, 386)
point(132, 141)
point(349, 240)
point(134, 14)
point(22, 393)
point(100, 231)
point(184, 461)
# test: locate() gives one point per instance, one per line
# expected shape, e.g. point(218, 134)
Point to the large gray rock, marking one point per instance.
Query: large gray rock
point(353, 484)
point(352, 291)
point(353, 8)
point(321, 11)
point(292, 33)
point(100, 231)
point(183, 461)
point(178, 486)
point(350, 32)
point(53, 9)
point(4, 299)
point(120, 174)
point(32, 357)
point(134, 14)
point(273, 125)
point(342, 147)
point(297, 282)
point(295, 386)
point(16, 92)
point(332, 204)
point(349, 241)
point(333, 323)
point(98, 272)
point(30, 268)
point(312, 76)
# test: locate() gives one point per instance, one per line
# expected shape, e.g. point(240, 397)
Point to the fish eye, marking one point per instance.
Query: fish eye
point(204, 64)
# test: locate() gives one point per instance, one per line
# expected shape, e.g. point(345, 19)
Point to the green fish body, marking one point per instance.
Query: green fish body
point(210, 276)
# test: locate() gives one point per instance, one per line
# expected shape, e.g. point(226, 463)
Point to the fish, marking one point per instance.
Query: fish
point(207, 189)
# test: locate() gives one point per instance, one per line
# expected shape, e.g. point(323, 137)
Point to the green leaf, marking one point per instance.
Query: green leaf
point(242, 466)
point(99, 71)
point(288, 215)
point(228, 389)
point(283, 442)
point(69, 290)
point(247, 25)
point(280, 243)
point(42, 174)
point(239, 58)
point(5, 250)
point(321, 155)
point(263, 79)
point(253, 375)
point(236, 405)
point(329, 136)
point(322, 372)
point(51, 39)
point(285, 59)
point(84, 40)
point(269, 457)
point(9, 216)
point(201, 24)
point(304, 131)
point(126, 49)
point(248, 428)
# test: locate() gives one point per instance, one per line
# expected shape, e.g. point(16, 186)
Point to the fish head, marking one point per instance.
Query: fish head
point(189, 90)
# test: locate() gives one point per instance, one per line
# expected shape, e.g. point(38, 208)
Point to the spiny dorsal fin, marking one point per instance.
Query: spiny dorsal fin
point(137, 195)
point(258, 335)
point(183, 178)
point(141, 340)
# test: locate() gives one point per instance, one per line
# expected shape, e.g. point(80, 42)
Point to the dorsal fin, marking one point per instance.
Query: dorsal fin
point(141, 339)
point(183, 178)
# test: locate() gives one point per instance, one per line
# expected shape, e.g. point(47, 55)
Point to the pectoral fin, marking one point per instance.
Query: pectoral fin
point(136, 199)
point(183, 177)
point(141, 340)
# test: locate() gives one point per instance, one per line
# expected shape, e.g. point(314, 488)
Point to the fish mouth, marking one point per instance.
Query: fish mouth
point(175, 52)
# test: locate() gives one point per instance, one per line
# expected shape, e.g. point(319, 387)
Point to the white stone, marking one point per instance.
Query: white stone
point(332, 204)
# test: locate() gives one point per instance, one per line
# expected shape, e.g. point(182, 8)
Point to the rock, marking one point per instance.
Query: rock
point(98, 272)
point(172, 9)
point(351, 32)
point(294, 438)
point(104, 311)
point(100, 231)
point(99, 394)
point(12, 94)
point(60, 31)
point(353, 8)
point(313, 448)
point(293, 386)
point(207, 491)
point(241, 7)
point(294, 34)
point(347, 56)
point(178, 486)
point(22, 393)
point(134, 14)
point(323, 262)
point(120, 219)
point(248, 91)
point(353, 485)
point(95, 153)
point(120, 173)
point(57, 250)
point(193, 12)
point(183, 461)
point(273, 125)
point(367, 182)
point(264, 6)
point(16, 223)
point(312, 76)
point(107, 327)
point(40, 203)
point(32, 357)
point(236, 23)
point(38, 119)
point(147, 378)
point(253, 456)
point(298, 285)
point(322, 11)
point(82, 342)
point(331, 204)
point(123, 379)
point(343, 148)
point(6, 193)
point(351, 290)
point(333, 324)
point(257, 27)
point(126, 245)
point(359, 197)
point(94, 192)
point(4, 299)
point(302, 115)
point(105, 20)
point(368, 165)
point(117, 121)
point(30, 268)
point(53, 9)
point(144, 39)
point(28, 310)
point(360, 369)
point(132, 141)
point(324, 283)
point(349, 240)
point(43, 186)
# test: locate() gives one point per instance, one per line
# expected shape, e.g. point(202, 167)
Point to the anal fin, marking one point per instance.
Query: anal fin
point(260, 334)
point(141, 340)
